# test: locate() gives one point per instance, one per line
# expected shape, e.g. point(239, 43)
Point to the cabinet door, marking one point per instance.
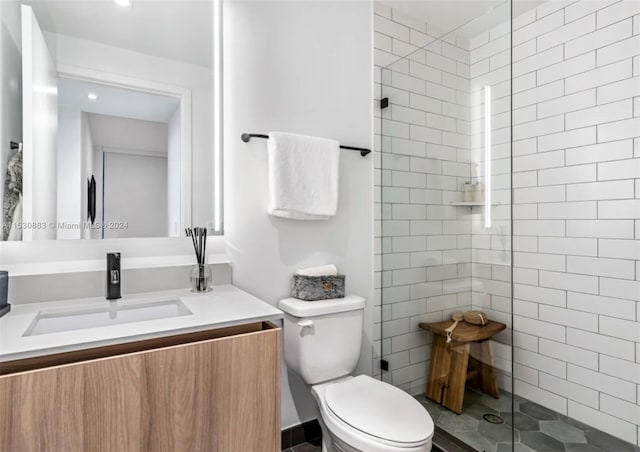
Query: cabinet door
point(248, 416)
point(113, 404)
point(216, 395)
point(42, 410)
point(219, 395)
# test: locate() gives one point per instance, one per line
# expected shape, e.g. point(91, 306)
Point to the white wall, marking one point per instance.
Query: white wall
point(10, 84)
point(75, 166)
point(576, 211)
point(124, 133)
point(173, 175)
point(132, 181)
point(71, 199)
point(303, 67)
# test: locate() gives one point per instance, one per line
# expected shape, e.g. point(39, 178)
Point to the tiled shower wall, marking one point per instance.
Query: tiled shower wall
point(423, 244)
point(576, 212)
point(490, 65)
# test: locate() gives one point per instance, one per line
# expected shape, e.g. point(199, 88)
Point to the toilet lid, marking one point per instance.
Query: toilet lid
point(379, 409)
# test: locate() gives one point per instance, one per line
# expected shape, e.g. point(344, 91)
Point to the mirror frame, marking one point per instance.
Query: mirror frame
point(41, 257)
point(184, 94)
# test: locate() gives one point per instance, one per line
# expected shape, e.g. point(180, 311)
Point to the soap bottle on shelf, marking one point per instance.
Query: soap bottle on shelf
point(467, 192)
point(477, 192)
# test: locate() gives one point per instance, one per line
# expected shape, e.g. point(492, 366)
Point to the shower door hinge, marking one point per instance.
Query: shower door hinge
point(384, 364)
point(384, 102)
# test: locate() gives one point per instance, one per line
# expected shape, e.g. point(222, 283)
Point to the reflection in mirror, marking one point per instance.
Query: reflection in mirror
point(129, 142)
point(114, 116)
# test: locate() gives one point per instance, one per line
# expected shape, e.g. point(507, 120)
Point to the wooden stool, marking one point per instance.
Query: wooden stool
point(451, 366)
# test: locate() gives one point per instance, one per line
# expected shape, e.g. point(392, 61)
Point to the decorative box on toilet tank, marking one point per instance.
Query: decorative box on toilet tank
point(312, 288)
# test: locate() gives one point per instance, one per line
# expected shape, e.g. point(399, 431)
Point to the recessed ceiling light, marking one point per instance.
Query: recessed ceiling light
point(92, 96)
point(125, 3)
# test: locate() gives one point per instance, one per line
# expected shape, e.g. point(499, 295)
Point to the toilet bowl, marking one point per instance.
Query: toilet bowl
point(364, 414)
point(322, 342)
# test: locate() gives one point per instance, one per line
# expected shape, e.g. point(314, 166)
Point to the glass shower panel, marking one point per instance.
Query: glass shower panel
point(444, 212)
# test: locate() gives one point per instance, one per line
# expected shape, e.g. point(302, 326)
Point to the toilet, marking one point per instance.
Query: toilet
point(322, 342)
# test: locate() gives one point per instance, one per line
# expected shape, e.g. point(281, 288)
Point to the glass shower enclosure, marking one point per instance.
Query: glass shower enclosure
point(488, 145)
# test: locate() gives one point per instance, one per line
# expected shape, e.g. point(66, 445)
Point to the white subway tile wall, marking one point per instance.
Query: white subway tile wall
point(576, 201)
point(576, 168)
point(491, 247)
point(423, 158)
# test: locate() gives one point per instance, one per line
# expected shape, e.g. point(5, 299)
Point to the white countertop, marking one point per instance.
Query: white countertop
point(222, 307)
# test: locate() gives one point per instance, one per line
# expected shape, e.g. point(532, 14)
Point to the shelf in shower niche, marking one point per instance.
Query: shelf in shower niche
point(473, 204)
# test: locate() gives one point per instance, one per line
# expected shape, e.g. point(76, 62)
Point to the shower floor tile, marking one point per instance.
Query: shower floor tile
point(537, 429)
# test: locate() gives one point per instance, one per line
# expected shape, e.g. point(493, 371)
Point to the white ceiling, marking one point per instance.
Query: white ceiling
point(467, 17)
point(180, 30)
point(115, 101)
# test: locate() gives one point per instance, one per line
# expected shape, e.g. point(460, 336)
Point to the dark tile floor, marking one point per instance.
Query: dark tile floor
point(536, 428)
point(304, 447)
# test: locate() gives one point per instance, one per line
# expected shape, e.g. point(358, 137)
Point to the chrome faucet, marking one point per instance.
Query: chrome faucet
point(113, 276)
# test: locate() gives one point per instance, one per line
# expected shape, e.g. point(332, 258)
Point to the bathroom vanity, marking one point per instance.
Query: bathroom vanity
point(200, 381)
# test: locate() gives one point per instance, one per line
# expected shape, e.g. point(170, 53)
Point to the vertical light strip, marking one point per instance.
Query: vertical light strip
point(217, 107)
point(487, 157)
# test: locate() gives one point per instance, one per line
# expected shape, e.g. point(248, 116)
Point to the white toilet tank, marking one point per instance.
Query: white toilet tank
point(322, 338)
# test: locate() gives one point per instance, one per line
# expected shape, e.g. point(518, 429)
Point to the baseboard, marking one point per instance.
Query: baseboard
point(307, 432)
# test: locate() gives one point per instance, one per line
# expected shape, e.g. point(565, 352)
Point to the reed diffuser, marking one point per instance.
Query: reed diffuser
point(200, 273)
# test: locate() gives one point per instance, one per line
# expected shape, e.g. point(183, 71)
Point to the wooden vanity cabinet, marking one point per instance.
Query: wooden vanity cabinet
point(206, 391)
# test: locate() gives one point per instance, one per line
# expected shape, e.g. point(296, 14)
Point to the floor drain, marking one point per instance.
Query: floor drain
point(493, 418)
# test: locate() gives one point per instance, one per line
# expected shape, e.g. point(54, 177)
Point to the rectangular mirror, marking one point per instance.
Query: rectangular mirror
point(107, 119)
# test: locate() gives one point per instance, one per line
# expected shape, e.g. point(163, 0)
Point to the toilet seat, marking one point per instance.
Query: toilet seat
point(379, 409)
point(369, 411)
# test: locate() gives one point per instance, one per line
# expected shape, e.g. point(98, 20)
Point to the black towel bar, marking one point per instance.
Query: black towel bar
point(246, 137)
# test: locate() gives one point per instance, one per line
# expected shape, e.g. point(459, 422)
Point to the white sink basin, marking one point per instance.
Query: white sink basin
point(115, 313)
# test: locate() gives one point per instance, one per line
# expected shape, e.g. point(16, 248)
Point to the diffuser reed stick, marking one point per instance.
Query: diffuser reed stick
point(199, 240)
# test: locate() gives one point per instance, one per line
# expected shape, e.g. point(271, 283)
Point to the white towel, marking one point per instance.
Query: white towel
point(303, 176)
point(322, 270)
